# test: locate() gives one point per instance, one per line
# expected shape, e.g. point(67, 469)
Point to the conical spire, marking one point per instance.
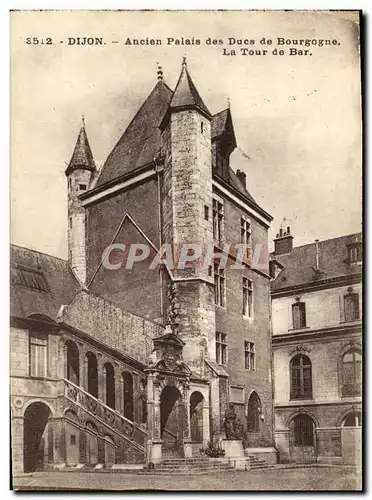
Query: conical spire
point(82, 156)
point(185, 95)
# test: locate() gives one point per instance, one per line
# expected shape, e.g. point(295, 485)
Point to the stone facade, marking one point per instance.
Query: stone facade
point(331, 403)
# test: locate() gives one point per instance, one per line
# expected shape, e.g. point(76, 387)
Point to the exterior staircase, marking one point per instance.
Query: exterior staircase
point(129, 438)
point(257, 463)
point(186, 466)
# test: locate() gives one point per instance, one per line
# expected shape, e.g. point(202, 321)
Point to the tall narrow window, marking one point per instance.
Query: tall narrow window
point(247, 297)
point(355, 253)
point(301, 383)
point(351, 307)
point(218, 216)
point(249, 356)
point(221, 348)
point(219, 286)
point(352, 373)
point(38, 354)
point(299, 315)
point(245, 234)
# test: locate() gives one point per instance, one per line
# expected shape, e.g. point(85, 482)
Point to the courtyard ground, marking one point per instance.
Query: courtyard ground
point(276, 479)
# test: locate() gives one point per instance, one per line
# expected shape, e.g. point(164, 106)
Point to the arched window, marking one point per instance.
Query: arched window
point(354, 419)
point(303, 430)
point(301, 385)
point(254, 413)
point(92, 374)
point(72, 362)
point(352, 373)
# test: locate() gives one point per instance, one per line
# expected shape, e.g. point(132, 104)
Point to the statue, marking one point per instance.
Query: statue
point(229, 423)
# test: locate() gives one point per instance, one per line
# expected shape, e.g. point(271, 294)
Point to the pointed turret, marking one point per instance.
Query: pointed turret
point(80, 172)
point(82, 157)
point(186, 95)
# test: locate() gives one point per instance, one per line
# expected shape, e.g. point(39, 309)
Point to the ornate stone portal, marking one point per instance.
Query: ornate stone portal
point(168, 394)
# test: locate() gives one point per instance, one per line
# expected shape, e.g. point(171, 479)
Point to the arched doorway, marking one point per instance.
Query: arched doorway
point(110, 385)
point(302, 439)
point(196, 417)
point(72, 362)
point(128, 395)
point(35, 436)
point(351, 438)
point(171, 420)
point(92, 374)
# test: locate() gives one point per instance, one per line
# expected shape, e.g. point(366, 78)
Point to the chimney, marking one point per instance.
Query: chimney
point(283, 243)
point(242, 176)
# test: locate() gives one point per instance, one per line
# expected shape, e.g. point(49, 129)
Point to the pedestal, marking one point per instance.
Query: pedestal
point(155, 451)
point(187, 448)
point(233, 448)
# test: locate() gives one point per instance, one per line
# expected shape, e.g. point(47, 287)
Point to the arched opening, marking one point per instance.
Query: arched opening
point(128, 395)
point(110, 385)
point(171, 418)
point(92, 443)
point(353, 419)
point(72, 362)
point(143, 401)
point(301, 383)
point(196, 417)
point(253, 413)
point(92, 374)
point(35, 436)
point(302, 438)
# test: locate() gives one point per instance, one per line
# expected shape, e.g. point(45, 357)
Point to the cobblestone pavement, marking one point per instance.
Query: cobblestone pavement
point(284, 479)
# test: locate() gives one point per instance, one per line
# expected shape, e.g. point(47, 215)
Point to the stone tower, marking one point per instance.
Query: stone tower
point(79, 173)
point(187, 216)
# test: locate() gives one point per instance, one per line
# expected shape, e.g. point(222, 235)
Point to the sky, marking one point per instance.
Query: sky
point(297, 118)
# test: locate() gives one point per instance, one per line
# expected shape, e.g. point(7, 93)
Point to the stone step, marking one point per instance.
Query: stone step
point(206, 466)
point(186, 471)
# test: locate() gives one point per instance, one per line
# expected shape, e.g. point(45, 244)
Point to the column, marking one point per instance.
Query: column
point(65, 371)
point(150, 406)
point(101, 381)
point(83, 370)
point(185, 409)
point(155, 444)
point(119, 392)
point(17, 445)
point(206, 423)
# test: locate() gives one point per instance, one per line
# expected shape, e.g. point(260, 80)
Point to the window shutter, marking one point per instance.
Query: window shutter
point(342, 312)
point(290, 318)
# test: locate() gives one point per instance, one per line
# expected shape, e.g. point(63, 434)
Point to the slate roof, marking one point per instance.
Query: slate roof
point(300, 263)
point(51, 283)
point(82, 155)
point(186, 95)
point(141, 140)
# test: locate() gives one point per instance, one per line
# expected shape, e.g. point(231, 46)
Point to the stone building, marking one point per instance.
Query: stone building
point(112, 365)
point(317, 348)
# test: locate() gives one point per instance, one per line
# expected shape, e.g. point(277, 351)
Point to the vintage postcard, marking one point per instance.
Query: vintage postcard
point(186, 250)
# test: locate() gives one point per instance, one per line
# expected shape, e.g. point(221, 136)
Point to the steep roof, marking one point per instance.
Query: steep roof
point(299, 264)
point(40, 283)
point(141, 139)
point(186, 95)
point(82, 156)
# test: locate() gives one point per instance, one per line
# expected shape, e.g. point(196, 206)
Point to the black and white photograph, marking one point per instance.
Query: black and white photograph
point(186, 261)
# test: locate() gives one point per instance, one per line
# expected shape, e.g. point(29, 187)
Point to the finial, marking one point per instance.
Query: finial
point(184, 62)
point(228, 102)
point(160, 72)
point(83, 121)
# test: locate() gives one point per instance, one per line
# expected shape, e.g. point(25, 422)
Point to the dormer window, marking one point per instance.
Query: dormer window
point(82, 187)
point(355, 253)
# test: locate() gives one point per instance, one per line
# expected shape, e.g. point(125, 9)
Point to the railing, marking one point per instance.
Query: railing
point(125, 427)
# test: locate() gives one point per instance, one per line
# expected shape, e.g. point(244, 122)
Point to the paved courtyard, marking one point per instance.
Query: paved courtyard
point(299, 478)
